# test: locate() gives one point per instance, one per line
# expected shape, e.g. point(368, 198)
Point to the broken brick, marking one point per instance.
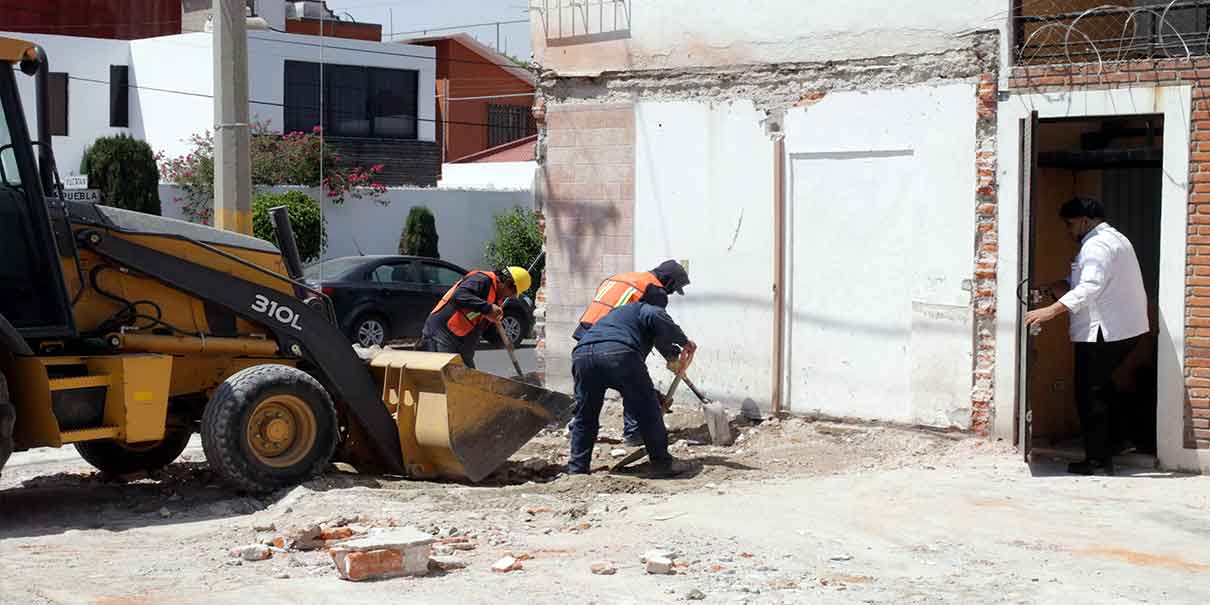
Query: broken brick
point(252, 552)
point(659, 565)
point(336, 533)
point(603, 568)
point(388, 554)
point(506, 565)
point(446, 563)
point(372, 564)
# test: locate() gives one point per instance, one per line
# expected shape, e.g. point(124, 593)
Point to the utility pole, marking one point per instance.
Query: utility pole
point(232, 172)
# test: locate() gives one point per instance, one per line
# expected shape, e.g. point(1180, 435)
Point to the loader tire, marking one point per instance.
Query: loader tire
point(116, 458)
point(8, 418)
point(269, 427)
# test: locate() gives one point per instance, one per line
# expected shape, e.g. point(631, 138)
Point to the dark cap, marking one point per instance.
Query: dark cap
point(672, 275)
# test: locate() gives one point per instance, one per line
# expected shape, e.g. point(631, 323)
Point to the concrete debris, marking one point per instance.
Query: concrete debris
point(838, 430)
point(603, 568)
point(617, 452)
point(442, 550)
point(660, 554)
point(385, 554)
point(659, 565)
point(539, 509)
point(507, 564)
point(305, 537)
point(459, 543)
point(446, 563)
point(252, 552)
point(695, 595)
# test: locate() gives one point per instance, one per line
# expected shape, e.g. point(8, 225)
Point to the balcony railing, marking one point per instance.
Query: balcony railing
point(571, 21)
point(1102, 31)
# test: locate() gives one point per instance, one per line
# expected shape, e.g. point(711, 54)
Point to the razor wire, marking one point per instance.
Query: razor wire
point(1068, 31)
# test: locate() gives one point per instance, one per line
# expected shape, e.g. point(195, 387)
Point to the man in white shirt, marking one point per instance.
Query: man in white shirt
point(1108, 307)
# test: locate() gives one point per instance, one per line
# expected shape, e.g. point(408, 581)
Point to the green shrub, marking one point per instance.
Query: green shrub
point(419, 236)
point(306, 218)
point(518, 242)
point(125, 171)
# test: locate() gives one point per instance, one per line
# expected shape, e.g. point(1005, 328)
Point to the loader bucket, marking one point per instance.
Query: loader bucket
point(459, 423)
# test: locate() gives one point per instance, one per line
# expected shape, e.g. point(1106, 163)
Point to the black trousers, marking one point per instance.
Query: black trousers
point(1101, 407)
point(444, 341)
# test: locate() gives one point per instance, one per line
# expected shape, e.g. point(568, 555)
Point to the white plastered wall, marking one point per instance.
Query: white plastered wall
point(881, 224)
point(1174, 103)
point(704, 194)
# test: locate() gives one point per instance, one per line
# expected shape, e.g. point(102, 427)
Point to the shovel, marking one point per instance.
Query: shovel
point(716, 418)
point(530, 378)
point(716, 422)
point(512, 353)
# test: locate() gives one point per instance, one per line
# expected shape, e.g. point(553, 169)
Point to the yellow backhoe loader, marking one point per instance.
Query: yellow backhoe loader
point(124, 333)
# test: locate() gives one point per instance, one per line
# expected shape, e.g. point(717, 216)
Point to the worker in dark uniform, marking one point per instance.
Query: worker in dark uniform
point(457, 323)
point(651, 287)
point(612, 355)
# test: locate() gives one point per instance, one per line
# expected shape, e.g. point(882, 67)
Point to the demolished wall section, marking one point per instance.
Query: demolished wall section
point(587, 172)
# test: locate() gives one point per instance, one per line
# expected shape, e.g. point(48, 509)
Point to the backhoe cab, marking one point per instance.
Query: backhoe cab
point(125, 333)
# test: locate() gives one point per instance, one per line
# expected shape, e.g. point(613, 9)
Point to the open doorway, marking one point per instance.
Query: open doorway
point(1117, 160)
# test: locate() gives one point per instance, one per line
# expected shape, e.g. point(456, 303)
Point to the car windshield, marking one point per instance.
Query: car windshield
point(337, 268)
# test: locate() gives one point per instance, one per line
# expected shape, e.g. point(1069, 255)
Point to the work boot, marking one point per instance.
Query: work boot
point(668, 468)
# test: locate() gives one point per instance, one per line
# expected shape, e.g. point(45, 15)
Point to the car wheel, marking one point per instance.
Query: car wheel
point(514, 326)
point(369, 331)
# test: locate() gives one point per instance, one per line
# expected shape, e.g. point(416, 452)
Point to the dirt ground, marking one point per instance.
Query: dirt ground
point(795, 511)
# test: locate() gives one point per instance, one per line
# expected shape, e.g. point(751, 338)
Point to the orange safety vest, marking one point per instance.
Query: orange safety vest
point(462, 322)
point(618, 291)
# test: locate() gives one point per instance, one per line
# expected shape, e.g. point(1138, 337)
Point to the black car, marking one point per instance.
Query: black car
point(382, 298)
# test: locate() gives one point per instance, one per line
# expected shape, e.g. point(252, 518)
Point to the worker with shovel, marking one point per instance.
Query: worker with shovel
point(651, 287)
point(612, 355)
point(457, 323)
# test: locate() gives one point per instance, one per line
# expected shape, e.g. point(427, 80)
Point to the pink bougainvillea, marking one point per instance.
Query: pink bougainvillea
point(294, 158)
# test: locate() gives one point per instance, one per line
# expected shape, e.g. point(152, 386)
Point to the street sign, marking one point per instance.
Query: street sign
point(75, 182)
point(92, 196)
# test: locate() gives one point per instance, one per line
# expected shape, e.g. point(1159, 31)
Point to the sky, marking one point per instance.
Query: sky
point(410, 15)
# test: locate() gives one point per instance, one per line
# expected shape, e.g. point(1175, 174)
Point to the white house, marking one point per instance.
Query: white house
point(377, 98)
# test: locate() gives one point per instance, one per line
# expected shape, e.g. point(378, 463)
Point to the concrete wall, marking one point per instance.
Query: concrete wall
point(703, 194)
point(174, 80)
point(489, 175)
point(664, 34)
point(365, 226)
point(881, 227)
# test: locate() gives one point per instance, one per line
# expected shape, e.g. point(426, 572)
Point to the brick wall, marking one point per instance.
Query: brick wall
point(986, 257)
point(588, 205)
point(1165, 72)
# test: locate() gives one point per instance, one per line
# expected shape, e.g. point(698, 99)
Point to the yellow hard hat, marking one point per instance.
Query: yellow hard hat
point(521, 278)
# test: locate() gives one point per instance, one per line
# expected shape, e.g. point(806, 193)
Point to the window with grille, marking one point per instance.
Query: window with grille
point(367, 102)
point(507, 123)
